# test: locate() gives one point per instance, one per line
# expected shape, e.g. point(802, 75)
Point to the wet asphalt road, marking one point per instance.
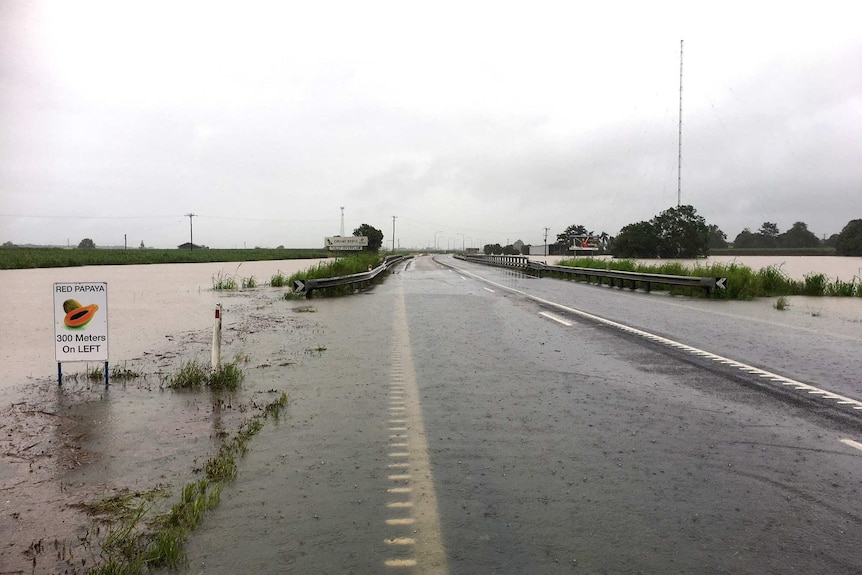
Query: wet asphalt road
point(439, 424)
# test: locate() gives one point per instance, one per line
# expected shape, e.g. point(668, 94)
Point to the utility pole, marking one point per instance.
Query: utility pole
point(191, 235)
point(342, 222)
point(546, 244)
point(679, 158)
point(393, 233)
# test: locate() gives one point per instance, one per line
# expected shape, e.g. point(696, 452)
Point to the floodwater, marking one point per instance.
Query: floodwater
point(146, 305)
point(795, 267)
point(60, 447)
point(63, 447)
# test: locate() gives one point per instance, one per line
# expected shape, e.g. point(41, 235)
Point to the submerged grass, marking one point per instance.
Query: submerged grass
point(342, 266)
point(136, 544)
point(195, 375)
point(742, 282)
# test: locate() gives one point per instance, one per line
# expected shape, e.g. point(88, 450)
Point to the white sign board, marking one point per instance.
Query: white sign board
point(81, 321)
point(345, 242)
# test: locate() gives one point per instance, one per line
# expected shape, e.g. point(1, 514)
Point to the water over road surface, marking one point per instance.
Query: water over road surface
point(442, 424)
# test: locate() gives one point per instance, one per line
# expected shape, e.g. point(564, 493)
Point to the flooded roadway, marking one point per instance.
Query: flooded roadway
point(438, 424)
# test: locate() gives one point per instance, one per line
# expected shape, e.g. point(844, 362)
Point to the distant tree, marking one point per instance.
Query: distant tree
point(831, 241)
point(86, 244)
point(604, 240)
point(8, 245)
point(675, 233)
point(564, 237)
point(639, 240)
point(769, 229)
point(510, 250)
point(850, 239)
point(746, 239)
point(682, 233)
point(375, 236)
point(798, 236)
point(492, 249)
point(717, 238)
point(768, 235)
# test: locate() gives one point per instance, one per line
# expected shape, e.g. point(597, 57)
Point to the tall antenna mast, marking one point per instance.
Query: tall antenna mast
point(679, 157)
point(342, 221)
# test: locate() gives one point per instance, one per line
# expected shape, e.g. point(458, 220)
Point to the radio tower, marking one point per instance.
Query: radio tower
point(342, 222)
point(679, 156)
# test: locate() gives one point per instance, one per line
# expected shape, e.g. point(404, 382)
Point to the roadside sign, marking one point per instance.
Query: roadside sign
point(345, 242)
point(81, 321)
point(720, 283)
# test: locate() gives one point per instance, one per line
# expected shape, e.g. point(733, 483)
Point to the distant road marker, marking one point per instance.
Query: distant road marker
point(556, 318)
point(852, 443)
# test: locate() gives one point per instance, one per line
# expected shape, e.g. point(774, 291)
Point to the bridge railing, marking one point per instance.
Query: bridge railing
point(308, 286)
point(614, 278)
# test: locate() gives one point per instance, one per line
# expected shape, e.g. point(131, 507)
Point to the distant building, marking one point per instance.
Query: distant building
point(190, 246)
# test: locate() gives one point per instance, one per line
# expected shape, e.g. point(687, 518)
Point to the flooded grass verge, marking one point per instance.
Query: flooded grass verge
point(743, 283)
point(137, 543)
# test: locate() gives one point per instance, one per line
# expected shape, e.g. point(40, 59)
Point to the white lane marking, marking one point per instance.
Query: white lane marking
point(463, 278)
point(852, 443)
point(488, 289)
point(400, 521)
point(401, 541)
point(838, 399)
point(400, 563)
point(555, 318)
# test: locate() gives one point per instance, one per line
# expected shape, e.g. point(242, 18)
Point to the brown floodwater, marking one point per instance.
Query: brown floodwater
point(62, 447)
point(146, 305)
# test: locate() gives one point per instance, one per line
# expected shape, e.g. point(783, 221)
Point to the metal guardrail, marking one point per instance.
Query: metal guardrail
point(308, 286)
point(615, 278)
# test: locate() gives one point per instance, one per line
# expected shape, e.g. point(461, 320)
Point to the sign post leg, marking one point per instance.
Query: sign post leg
point(59, 374)
point(106, 374)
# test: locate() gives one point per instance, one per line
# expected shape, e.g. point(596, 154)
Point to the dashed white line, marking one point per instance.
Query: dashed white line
point(854, 404)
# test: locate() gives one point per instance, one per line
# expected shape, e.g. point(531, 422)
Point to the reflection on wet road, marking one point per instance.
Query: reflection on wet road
point(536, 442)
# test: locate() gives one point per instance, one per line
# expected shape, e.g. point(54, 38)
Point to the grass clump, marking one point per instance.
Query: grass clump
point(781, 303)
point(123, 373)
point(222, 281)
point(278, 280)
point(96, 373)
point(195, 375)
point(227, 376)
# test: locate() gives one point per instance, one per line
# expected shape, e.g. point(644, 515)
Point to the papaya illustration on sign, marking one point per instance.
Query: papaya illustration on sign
point(78, 315)
point(81, 321)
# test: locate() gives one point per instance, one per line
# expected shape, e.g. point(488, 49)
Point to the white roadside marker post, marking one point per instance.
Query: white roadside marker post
point(216, 351)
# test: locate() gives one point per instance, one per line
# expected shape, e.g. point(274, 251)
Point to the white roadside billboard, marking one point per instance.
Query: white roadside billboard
point(345, 242)
point(81, 321)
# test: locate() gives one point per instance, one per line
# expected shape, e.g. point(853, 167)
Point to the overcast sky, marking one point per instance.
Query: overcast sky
point(483, 121)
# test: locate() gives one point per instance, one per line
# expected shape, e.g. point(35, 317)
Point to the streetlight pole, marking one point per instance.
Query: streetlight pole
point(462, 240)
point(435, 239)
point(393, 233)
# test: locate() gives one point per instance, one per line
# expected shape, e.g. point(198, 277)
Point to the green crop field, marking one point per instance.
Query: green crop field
point(22, 258)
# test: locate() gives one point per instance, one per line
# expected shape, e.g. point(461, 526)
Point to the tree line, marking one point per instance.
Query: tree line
point(680, 233)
